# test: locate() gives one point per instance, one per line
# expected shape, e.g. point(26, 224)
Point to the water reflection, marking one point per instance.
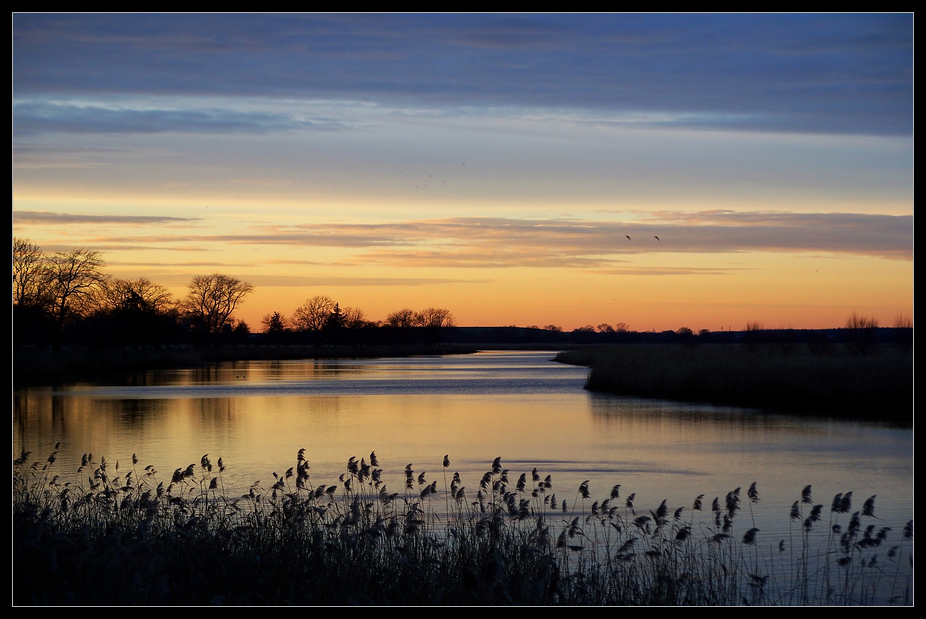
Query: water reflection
point(520, 406)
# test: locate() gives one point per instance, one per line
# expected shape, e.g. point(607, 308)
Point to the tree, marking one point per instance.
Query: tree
point(753, 335)
point(31, 295)
point(335, 319)
point(686, 336)
point(436, 317)
point(73, 280)
point(134, 295)
point(354, 318)
point(313, 314)
point(132, 312)
point(274, 323)
point(903, 333)
point(213, 298)
point(30, 275)
point(862, 332)
point(404, 318)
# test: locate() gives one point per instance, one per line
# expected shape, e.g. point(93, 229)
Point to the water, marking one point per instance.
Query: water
point(520, 406)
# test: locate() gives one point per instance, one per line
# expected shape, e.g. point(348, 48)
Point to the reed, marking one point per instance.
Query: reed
point(111, 536)
point(839, 384)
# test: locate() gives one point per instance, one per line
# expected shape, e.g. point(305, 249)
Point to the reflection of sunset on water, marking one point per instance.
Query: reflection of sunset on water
point(517, 406)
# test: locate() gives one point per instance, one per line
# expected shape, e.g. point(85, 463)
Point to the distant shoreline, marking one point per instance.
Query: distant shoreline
point(43, 367)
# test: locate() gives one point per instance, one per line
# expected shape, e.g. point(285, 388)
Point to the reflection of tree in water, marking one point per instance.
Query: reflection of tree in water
point(688, 419)
point(140, 412)
point(214, 413)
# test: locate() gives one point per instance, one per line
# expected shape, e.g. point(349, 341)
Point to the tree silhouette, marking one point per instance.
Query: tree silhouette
point(73, 280)
point(213, 298)
point(134, 312)
point(903, 333)
point(31, 275)
point(335, 318)
point(354, 318)
point(137, 295)
point(274, 323)
point(313, 314)
point(862, 332)
point(404, 318)
point(436, 317)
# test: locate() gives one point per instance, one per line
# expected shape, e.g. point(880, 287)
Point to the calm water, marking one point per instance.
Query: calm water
point(521, 406)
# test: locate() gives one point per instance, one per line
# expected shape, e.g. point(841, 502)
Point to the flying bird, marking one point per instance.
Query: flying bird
point(628, 237)
point(657, 238)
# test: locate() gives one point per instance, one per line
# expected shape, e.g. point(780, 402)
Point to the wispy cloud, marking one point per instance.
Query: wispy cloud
point(649, 271)
point(308, 281)
point(488, 242)
point(45, 217)
point(483, 242)
point(37, 117)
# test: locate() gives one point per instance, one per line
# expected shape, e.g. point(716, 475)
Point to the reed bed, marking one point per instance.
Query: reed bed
point(787, 379)
point(106, 536)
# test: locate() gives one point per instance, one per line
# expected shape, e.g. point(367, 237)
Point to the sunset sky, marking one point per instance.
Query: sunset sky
point(494, 165)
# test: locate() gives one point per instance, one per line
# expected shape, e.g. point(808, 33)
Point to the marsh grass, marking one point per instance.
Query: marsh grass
point(838, 384)
point(133, 536)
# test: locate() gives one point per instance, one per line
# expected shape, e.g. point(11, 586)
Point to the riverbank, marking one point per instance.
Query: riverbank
point(34, 366)
point(837, 384)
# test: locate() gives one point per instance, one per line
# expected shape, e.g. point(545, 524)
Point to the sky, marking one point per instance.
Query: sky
point(664, 171)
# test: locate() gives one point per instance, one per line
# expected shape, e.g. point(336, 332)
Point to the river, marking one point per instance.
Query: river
point(519, 406)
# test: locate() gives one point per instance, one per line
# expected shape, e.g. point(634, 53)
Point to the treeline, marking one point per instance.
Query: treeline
point(67, 299)
point(320, 320)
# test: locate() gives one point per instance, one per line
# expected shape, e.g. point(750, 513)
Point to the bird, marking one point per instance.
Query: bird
point(628, 237)
point(657, 238)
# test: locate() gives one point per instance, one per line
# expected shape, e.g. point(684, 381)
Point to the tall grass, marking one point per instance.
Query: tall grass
point(791, 380)
point(111, 536)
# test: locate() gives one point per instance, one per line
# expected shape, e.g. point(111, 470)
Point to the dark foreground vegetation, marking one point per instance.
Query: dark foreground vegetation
point(112, 536)
point(835, 382)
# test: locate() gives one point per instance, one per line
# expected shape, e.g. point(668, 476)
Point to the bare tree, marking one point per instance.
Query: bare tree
point(138, 295)
point(354, 318)
point(213, 298)
point(753, 336)
point(436, 317)
point(862, 332)
point(404, 318)
point(74, 278)
point(903, 332)
point(31, 275)
point(313, 314)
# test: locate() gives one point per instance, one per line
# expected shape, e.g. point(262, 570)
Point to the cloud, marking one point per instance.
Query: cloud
point(300, 282)
point(485, 242)
point(809, 73)
point(32, 118)
point(495, 242)
point(669, 271)
point(44, 217)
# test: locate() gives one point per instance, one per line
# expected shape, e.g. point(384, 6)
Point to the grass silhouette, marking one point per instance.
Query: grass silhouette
point(113, 537)
point(793, 380)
